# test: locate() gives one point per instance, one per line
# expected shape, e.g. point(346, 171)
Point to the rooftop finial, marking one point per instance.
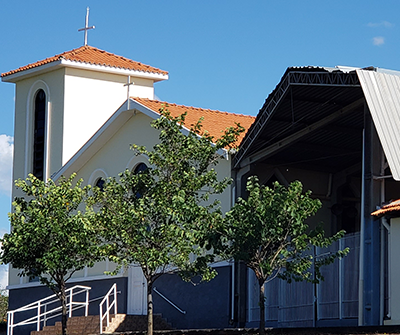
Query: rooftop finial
point(128, 84)
point(86, 26)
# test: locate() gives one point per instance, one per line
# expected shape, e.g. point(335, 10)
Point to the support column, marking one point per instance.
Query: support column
point(370, 300)
point(240, 274)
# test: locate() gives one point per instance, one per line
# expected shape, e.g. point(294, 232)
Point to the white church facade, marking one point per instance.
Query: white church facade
point(74, 112)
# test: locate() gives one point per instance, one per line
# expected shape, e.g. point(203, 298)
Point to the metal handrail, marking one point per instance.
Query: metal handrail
point(167, 300)
point(43, 303)
point(112, 291)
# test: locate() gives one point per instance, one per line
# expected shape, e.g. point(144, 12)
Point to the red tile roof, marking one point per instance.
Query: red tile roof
point(392, 207)
point(91, 55)
point(215, 122)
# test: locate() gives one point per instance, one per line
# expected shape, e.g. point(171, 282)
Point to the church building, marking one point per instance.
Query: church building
point(334, 129)
point(79, 111)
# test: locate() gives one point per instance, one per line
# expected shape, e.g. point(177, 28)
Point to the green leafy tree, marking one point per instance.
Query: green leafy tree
point(50, 237)
point(269, 234)
point(3, 305)
point(157, 219)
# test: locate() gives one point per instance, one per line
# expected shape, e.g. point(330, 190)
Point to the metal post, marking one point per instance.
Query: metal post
point(107, 311)
point(87, 303)
point(70, 303)
point(315, 288)
point(362, 233)
point(45, 315)
point(38, 317)
point(101, 319)
point(341, 281)
point(115, 298)
point(10, 322)
point(371, 241)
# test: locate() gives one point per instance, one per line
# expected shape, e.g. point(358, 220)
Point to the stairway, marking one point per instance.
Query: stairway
point(123, 323)
point(85, 325)
point(77, 325)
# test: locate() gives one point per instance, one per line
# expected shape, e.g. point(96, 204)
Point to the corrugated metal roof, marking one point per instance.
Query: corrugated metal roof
point(304, 96)
point(382, 93)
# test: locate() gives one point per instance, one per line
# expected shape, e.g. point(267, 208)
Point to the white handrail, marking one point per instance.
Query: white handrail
point(112, 292)
point(43, 303)
point(167, 300)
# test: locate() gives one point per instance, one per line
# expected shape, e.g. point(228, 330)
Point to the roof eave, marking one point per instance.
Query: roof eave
point(116, 121)
point(114, 70)
point(154, 115)
point(23, 74)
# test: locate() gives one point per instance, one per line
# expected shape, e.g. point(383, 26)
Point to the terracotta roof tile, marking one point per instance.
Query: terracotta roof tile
point(91, 55)
point(392, 207)
point(215, 122)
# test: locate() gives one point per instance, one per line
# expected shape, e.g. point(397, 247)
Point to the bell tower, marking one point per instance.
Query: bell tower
point(63, 100)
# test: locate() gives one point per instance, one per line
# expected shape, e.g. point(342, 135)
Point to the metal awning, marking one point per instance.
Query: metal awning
point(382, 93)
point(315, 116)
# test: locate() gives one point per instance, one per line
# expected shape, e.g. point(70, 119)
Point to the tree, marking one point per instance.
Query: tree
point(50, 237)
point(3, 305)
point(156, 218)
point(269, 234)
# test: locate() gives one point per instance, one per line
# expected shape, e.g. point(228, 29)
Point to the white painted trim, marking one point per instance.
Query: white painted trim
point(96, 174)
point(90, 143)
point(118, 119)
point(46, 172)
point(136, 160)
point(84, 66)
point(30, 104)
point(13, 78)
point(72, 280)
point(114, 70)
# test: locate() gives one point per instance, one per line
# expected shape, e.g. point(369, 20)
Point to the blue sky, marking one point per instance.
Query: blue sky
point(223, 54)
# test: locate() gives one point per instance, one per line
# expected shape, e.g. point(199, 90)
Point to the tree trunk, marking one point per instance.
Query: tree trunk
point(262, 308)
point(63, 308)
point(149, 307)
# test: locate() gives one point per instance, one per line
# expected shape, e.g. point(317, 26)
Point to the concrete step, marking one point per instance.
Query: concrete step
point(80, 325)
point(138, 323)
point(85, 325)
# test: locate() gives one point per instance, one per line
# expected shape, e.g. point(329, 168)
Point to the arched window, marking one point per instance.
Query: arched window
point(39, 135)
point(140, 168)
point(139, 188)
point(100, 183)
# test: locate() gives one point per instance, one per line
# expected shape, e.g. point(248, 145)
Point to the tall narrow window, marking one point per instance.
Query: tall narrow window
point(39, 135)
point(139, 188)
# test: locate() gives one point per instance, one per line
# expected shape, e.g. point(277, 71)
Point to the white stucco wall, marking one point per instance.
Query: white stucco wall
point(115, 156)
point(52, 83)
point(90, 99)
point(78, 103)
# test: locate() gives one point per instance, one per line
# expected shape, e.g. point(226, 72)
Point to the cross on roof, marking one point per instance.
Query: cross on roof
point(86, 26)
point(128, 84)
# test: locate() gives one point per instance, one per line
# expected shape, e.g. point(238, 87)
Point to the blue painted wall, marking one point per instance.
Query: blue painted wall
point(207, 304)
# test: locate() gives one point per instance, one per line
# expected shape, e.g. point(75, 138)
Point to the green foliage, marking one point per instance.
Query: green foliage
point(269, 233)
point(158, 218)
point(3, 305)
point(50, 237)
